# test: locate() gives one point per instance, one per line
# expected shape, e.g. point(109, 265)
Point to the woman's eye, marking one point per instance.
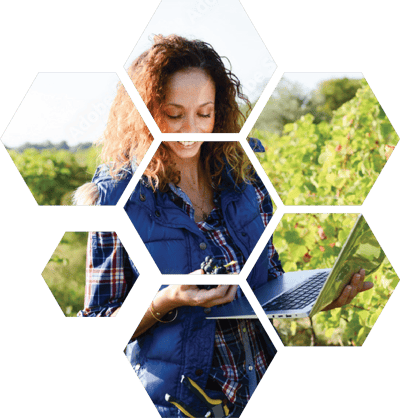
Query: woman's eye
point(205, 116)
point(174, 116)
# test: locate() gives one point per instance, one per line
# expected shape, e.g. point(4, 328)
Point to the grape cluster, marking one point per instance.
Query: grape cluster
point(211, 266)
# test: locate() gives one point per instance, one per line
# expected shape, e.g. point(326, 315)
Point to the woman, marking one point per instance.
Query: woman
point(196, 199)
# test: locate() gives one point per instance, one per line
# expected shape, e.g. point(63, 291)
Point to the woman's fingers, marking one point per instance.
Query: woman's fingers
point(358, 280)
point(219, 295)
point(355, 286)
point(344, 297)
point(367, 286)
point(191, 295)
point(230, 294)
point(217, 292)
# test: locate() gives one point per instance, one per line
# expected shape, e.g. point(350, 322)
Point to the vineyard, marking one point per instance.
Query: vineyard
point(65, 272)
point(53, 175)
point(329, 163)
point(332, 162)
point(313, 241)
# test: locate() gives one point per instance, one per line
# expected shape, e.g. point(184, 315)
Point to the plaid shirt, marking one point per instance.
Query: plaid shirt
point(228, 367)
point(110, 275)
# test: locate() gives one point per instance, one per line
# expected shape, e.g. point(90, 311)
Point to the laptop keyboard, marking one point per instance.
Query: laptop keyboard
point(299, 297)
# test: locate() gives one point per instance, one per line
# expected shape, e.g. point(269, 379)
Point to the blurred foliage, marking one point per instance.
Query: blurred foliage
point(289, 102)
point(330, 95)
point(65, 272)
point(89, 158)
point(333, 163)
point(313, 241)
point(48, 145)
point(53, 175)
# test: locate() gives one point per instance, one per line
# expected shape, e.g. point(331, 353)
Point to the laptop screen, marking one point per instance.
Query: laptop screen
point(362, 250)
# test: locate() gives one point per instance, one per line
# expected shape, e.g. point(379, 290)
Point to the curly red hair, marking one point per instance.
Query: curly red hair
point(127, 137)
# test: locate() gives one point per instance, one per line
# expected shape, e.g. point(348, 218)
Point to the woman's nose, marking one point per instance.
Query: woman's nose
point(189, 125)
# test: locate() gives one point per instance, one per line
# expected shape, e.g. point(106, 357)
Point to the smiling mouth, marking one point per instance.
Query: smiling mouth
point(186, 143)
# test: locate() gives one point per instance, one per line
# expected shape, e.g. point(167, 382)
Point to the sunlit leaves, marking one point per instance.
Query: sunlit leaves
point(52, 175)
point(333, 163)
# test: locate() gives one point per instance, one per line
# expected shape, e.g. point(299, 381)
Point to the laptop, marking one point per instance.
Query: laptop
point(305, 293)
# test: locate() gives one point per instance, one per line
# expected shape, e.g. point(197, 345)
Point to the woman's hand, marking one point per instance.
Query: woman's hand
point(191, 295)
point(356, 286)
point(174, 296)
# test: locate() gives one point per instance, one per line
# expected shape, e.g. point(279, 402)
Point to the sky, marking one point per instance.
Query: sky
point(74, 107)
point(222, 23)
point(71, 107)
point(309, 81)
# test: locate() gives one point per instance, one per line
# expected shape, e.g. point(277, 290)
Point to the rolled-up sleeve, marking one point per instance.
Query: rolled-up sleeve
point(110, 275)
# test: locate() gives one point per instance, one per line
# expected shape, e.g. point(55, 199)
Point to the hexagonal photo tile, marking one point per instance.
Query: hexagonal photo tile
point(200, 66)
point(53, 135)
point(192, 365)
point(336, 280)
point(200, 199)
point(327, 138)
point(90, 274)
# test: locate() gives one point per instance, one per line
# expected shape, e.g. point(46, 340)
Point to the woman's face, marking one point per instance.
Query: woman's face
point(189, 102)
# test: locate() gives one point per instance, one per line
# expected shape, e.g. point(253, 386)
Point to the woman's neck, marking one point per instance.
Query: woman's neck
point(196, 183)
point(192, 172)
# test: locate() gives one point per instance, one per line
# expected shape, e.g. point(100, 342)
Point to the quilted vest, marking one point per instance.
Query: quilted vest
point(164, 353)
